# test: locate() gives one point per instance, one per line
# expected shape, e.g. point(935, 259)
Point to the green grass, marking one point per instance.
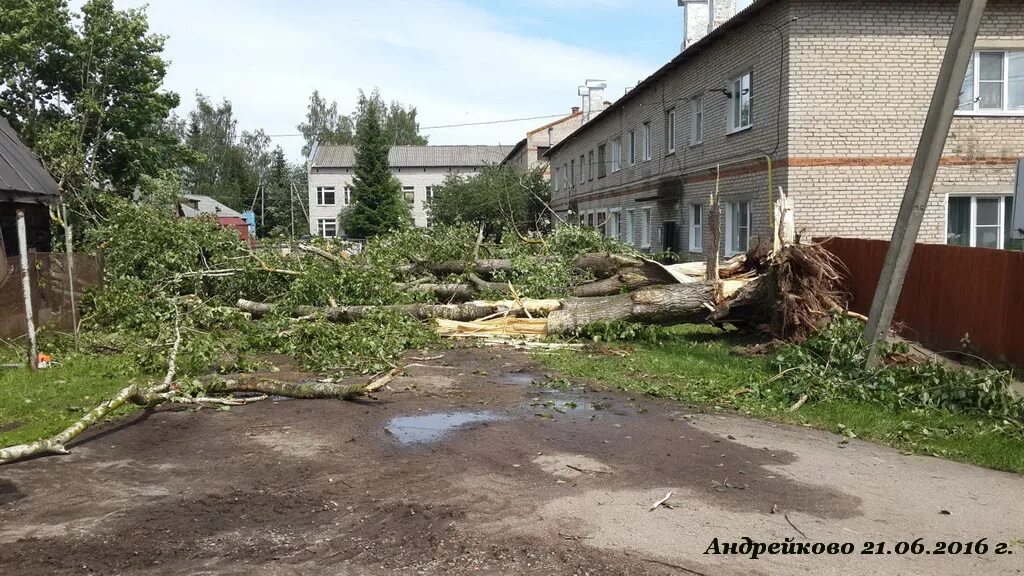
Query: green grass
point(47, 401)
point(701, 365)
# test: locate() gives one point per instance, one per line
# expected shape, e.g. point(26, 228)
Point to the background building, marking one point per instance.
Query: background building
point(419, 169)
point(824, 99)
point(24, 185)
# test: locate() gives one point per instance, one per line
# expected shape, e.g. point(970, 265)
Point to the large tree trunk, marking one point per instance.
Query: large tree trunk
point(664, 305)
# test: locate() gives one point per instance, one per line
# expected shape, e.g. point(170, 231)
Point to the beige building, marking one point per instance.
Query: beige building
point(529, 152)
point(824, 99)
point(420, 169)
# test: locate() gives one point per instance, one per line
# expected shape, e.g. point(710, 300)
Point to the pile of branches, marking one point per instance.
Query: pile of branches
point(186, 297)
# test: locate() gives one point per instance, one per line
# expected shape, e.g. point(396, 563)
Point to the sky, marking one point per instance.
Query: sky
point(457, 61)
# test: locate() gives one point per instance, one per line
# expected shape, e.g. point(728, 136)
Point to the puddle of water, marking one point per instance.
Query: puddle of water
point(520, 378)
point(433, 427)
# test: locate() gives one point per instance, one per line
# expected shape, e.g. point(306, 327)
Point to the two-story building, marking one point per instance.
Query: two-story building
point(824, 99)
point(420, 169)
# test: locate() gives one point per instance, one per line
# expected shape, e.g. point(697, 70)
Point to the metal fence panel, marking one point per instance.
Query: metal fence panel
point(952, 295)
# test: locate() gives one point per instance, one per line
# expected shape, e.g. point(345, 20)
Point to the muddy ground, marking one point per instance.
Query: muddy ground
point(466, 467)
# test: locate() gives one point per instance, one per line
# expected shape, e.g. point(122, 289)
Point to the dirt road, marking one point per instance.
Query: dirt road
point(465, 467)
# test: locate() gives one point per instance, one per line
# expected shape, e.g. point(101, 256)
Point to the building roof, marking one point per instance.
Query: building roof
point(205, 205)
point(684, 57)
point(514, 150)
point(327, 156)
point(22, 176)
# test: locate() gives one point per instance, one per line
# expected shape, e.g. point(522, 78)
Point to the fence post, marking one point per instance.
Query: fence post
point(26, 288)
point(70, 255)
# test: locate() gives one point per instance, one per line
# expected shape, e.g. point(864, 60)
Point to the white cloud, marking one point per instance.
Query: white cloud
point(455, 62)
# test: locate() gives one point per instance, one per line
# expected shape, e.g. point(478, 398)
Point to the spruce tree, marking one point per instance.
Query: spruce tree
point(378, 206)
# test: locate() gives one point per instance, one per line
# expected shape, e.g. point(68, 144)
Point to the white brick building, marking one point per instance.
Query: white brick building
point(419, 169)
point(823, 98)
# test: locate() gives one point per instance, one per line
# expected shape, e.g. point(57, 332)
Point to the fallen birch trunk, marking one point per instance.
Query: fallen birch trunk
point(152, 396)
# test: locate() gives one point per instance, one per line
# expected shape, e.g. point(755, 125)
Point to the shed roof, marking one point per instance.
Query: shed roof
point(22, 176)
point(206, 205)
point(328, 156)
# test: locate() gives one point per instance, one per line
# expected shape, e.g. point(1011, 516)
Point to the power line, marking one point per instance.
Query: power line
point(488, 122)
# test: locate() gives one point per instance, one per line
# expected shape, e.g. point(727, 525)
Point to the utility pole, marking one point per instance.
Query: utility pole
point(958, 55)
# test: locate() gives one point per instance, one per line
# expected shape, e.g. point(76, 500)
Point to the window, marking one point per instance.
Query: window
point(981, 221)
point(647, 141)
point(632, 147)
point(645, 228)
point(582, 162)
point(325, 196)
point(697, 121)
point(737, 228)
point(696, 228)
point(740, 93)
point(670, 131)
point(347, 191)
point(994, 83)
point(556, 182)
point(409, 193)
point(615, 224)
point(572, 172)
point(551, 136)
point(630, 227)
point(327, 227)
point(616, 154)
point(590, 166)
point(602, 166)
point(565, 176)
point(590, 220)
point(430, 193)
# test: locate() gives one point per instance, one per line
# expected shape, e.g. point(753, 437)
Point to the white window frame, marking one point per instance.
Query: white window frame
point(617, 154)
point(320, 194)
point(614, 230)
point(566, 183)
point(697, 121)
point(670, 131)
point(583, 176)
point(645, 228)
point(697, 228)
point(738, 96)
point(632, 147)
point(973, 224)
point(556, 182)
point(647, 141)
point(412, 189)
point(730, 207)
point(631, 227)
point(430, 193)
point(590, 165)
point(321, 227)
point(347, 195)
point(975, 106)
point(572, 173)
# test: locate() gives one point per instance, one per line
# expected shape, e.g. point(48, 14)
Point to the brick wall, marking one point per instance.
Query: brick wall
point(669, 182)
point(863, 76)
point(838, 101)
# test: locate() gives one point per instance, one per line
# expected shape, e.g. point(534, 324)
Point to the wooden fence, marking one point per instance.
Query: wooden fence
point(952, 297)
point(51, 302)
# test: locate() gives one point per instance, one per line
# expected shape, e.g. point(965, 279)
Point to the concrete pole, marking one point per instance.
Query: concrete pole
point(959, 52)
point(26, 289)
